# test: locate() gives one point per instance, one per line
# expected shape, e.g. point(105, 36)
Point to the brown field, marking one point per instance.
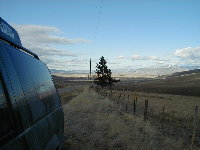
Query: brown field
point(182, 85)
point(104, 120)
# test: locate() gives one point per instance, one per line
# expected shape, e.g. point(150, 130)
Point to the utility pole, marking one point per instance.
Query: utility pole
point(90, 68)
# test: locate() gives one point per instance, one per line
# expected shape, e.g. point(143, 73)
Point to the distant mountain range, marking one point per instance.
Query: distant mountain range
point(183, 73)
point(165, 70)
point(152, 71)
point(69, 71)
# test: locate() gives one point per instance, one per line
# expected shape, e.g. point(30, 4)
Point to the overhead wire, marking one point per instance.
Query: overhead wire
point(96, 30)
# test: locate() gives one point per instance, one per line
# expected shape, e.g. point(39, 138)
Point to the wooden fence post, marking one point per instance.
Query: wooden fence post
point(163, 112)
point(196, 112)
point(111, 94)
point(146, 110)
point(134, 106)
point(194, 126)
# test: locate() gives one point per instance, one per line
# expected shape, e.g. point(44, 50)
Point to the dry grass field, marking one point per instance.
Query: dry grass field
point(178, 85)
point(101, 120)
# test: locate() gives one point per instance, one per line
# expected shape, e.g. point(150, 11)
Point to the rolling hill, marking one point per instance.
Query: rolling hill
point(181, 83)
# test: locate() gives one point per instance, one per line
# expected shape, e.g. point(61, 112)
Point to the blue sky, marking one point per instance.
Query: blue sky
point(128, 33)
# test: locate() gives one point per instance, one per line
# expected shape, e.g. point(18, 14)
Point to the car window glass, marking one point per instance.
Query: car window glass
point(36, 83)
point(5, 118)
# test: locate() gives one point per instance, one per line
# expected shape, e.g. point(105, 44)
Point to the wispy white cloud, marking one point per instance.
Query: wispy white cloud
point(139, 57)
point(121, 57)
point(66, 64)
point(50, 51)
point(38, 34)
point(43, 41)
point(192, 53)
point(46, 42)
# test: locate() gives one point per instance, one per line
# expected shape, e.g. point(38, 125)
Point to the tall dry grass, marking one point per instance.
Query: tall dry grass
point(94, 122)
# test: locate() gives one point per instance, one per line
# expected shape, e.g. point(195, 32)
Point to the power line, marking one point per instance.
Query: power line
point(98, 21)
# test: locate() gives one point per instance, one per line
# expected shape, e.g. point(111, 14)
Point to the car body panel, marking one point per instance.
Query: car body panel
point(32, 97)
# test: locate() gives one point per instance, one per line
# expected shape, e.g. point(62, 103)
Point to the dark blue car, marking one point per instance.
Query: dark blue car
point(31, 115)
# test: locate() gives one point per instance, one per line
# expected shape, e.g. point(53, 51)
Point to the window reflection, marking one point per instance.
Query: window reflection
point(36, 83)
point(5, 123)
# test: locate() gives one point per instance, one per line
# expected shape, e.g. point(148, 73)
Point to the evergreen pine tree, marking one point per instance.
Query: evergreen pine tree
point(103, 77)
